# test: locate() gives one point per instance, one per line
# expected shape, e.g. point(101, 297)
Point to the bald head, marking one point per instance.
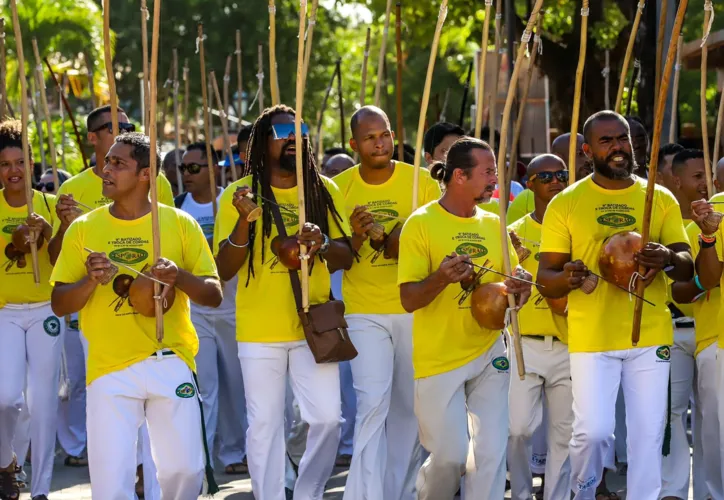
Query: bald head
point(372, 138)
point(337, 164)
point(560, 147)
point(719, 176)
point(367, 113)
point(542, 162)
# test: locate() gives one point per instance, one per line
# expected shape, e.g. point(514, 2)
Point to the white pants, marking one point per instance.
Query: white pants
point(316, 388)
point(386, 454)
point(548, 376)
point(349, 408)
point(31, 340)
point(221, 385)
point(162, 391)
point(619, 431)
point(71, 412)
point(539, 445)
point(474, 399)
point(708, 425)
point(644, 374)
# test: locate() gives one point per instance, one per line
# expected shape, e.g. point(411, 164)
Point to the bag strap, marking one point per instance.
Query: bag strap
point(293, 276)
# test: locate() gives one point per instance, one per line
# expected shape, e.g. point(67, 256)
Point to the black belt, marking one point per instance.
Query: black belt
point(542, 338)
point(163, 353)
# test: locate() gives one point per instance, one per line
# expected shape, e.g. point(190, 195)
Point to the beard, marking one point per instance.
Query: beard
point(614, 173)
point(288, 162)
point(486, 195)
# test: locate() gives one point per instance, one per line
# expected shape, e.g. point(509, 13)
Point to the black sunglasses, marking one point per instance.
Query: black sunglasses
point(192, 168)
point(547, 177)
point(48, 186)
point(122, 127)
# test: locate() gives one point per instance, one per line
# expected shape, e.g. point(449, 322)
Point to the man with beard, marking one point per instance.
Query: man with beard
point(461, 369)
point(548, 375)
point(386, 454)
point(133, 377)
point(693, 358)
point(640, 145)
point(269, 331)
point(577, 223)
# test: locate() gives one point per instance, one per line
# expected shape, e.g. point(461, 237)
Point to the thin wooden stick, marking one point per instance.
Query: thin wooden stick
point(26, 147)
point(577, 92)
point(366, 55)
point(239, 87)
point(675, 92)
point(3, 69)
point(46, 112)
point(310, 36)
point(224, 125)
point(635, 79)
point(300, 150)
point(68, 109)
point(383, 52)
point(187, 118)
point(176, 122)
point(466, 91)
point(627, 57)
point(654, 163)
point(425, 100)
point(35, 110)
point(717, 138)
point(702, 100)
point(607, 81)
point(481, 70)
point(523, 100)
point(227, 83)
point(664, 5)
point(155, 225)
point(109, 65)
point(320, 114)
point(398, 85)
point(501, 181)
point(493, 106)
point(260, 78)
point(91, 77)
point(61, 112)
point(340, 101)
point(273, 78)
point(144, 58)
point(444, 105)
point(207, 118)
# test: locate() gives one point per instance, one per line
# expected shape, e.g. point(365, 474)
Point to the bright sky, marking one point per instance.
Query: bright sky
point(355, 12)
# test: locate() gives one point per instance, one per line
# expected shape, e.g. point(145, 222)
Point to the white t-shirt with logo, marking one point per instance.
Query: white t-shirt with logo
point(203, 213)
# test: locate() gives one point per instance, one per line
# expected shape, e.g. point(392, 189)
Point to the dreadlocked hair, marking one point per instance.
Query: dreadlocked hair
point(318, 200)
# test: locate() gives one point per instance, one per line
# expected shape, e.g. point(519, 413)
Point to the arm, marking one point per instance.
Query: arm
point(684, 292)
point(339, 256)
point(68, 298)
point(558, 276)
point(202, 290)
point(360, 222)
point(708, 265)
point(416, 295)
point(656, 257)
point(230, 258)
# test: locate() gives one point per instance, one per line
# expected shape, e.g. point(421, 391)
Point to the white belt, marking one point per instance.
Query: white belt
point(25, 307)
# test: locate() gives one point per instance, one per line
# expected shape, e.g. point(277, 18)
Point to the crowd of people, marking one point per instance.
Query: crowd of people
point(430, 403)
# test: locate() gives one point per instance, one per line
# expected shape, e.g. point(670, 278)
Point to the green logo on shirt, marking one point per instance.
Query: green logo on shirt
point(501, 363)
point(615, 219)
point(537, 257)
point(185, 390)
point(51, 325)
point(9, 228)
point(289, 219)
point(383, 215)
point(474, 250)
point(664, 353)
point(128, 255)
point(73, 324)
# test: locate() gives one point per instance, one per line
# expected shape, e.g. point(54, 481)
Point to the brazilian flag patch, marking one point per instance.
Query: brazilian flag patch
point(186, 390)
point(501, 363)
point(664, 353)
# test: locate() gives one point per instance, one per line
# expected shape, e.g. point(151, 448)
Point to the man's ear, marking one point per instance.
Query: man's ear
point(428, 158)
point(587, 150)
point(353, 145)
point(92, 138)
point(145, 174)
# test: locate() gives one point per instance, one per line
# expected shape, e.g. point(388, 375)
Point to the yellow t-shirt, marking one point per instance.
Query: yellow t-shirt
point(17, 284)
point(370, 286)
point(492, 206)
point(265, 307)
point(720, 253)
point(705, 309)
point(536, 317)
point(523, 204)
point(445, 336)
point(577, 222)
point(117, 335)
point(87, 188)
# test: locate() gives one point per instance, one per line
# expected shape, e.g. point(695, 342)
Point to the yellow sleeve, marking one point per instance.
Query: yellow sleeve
point(198, 259)
point(519, 207)
point(338, 200)
point(672, 230)
point(165, 194)
point(70, 266)
point(555, 236)
point(226, 217)
point(414, 261)
point(432, 190)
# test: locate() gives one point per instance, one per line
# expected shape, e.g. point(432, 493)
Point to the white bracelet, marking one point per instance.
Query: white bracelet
point(235, 245)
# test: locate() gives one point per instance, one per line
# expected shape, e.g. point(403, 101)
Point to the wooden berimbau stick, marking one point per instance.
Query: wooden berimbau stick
point(260, 78)
point(366, 56)
point(26, 147)
point(46, 112)
point(425, 101)
point(573, 148)
point(654, 163)
point(299, 144)
point(3, 70)
point(224, 125)
point(239, 87)
point(502, 183)
point(481, 70)
point(273, 77)
point(398, 84)
point(109, 65)
point(493, 106)
point(187, 117)
point(664, 8)
point(627, 57)
point(176, 121)
point(708, 12)
point(309, 37)
point(383, 52)
point(675, 92)
point(144, 58)
point(207, 118)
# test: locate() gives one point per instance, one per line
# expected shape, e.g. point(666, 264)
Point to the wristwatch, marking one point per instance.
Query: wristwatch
point(325, 245)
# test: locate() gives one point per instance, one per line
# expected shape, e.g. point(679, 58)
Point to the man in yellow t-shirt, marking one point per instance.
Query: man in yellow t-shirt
point(548, 373)
point(386, 453)
point(268, 328)
point(31, 336)
point(461, 368)
point(577, 223)
point(133, 377)
point(688, 176)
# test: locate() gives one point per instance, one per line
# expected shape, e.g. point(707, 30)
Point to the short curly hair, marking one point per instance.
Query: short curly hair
point(141, 149)
point(11, 136)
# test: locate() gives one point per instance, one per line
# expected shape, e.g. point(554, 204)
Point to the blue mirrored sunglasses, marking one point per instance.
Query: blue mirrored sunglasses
point(286, 130)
